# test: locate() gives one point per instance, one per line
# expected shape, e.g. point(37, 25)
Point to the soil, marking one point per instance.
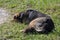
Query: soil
point(4, 15)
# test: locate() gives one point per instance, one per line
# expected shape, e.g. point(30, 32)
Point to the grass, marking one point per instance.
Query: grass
point(11, 30)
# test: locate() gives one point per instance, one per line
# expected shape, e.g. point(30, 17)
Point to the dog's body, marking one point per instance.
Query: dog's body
point(37, 21)
point(41, 25)
point(28, 16)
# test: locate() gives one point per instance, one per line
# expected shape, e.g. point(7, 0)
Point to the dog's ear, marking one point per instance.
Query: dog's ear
point(21, 15)
point(17, 14)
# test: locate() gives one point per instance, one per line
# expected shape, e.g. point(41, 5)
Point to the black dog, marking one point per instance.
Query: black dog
point(35, 20)
point(40, 25)
point(28, 15)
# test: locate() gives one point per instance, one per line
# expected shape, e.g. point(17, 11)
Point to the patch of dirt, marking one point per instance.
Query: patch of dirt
point(4, 15)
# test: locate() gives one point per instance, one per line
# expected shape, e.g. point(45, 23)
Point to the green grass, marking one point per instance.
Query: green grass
point(11, 30)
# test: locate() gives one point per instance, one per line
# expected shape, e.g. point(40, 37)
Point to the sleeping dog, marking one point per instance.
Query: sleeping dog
point(40, 25)
point(28, 15)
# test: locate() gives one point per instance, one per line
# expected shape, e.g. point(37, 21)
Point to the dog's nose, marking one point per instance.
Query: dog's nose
point(14, 17)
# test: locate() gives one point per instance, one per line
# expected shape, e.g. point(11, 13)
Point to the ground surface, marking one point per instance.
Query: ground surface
point(4, 16)
point(11, 30)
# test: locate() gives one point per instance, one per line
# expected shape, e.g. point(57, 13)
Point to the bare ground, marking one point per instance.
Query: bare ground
point(4, 16)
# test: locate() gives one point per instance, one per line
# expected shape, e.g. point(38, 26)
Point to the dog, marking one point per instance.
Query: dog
point(40, 25)
point(28, 15)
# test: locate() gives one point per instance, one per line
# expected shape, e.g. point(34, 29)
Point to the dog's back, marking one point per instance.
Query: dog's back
point(32, 14)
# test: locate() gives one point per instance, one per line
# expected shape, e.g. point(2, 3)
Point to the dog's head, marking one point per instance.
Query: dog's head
point(19, 17)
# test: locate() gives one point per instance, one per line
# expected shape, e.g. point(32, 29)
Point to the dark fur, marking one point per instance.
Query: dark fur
point(28, 15)
point(46, 23)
